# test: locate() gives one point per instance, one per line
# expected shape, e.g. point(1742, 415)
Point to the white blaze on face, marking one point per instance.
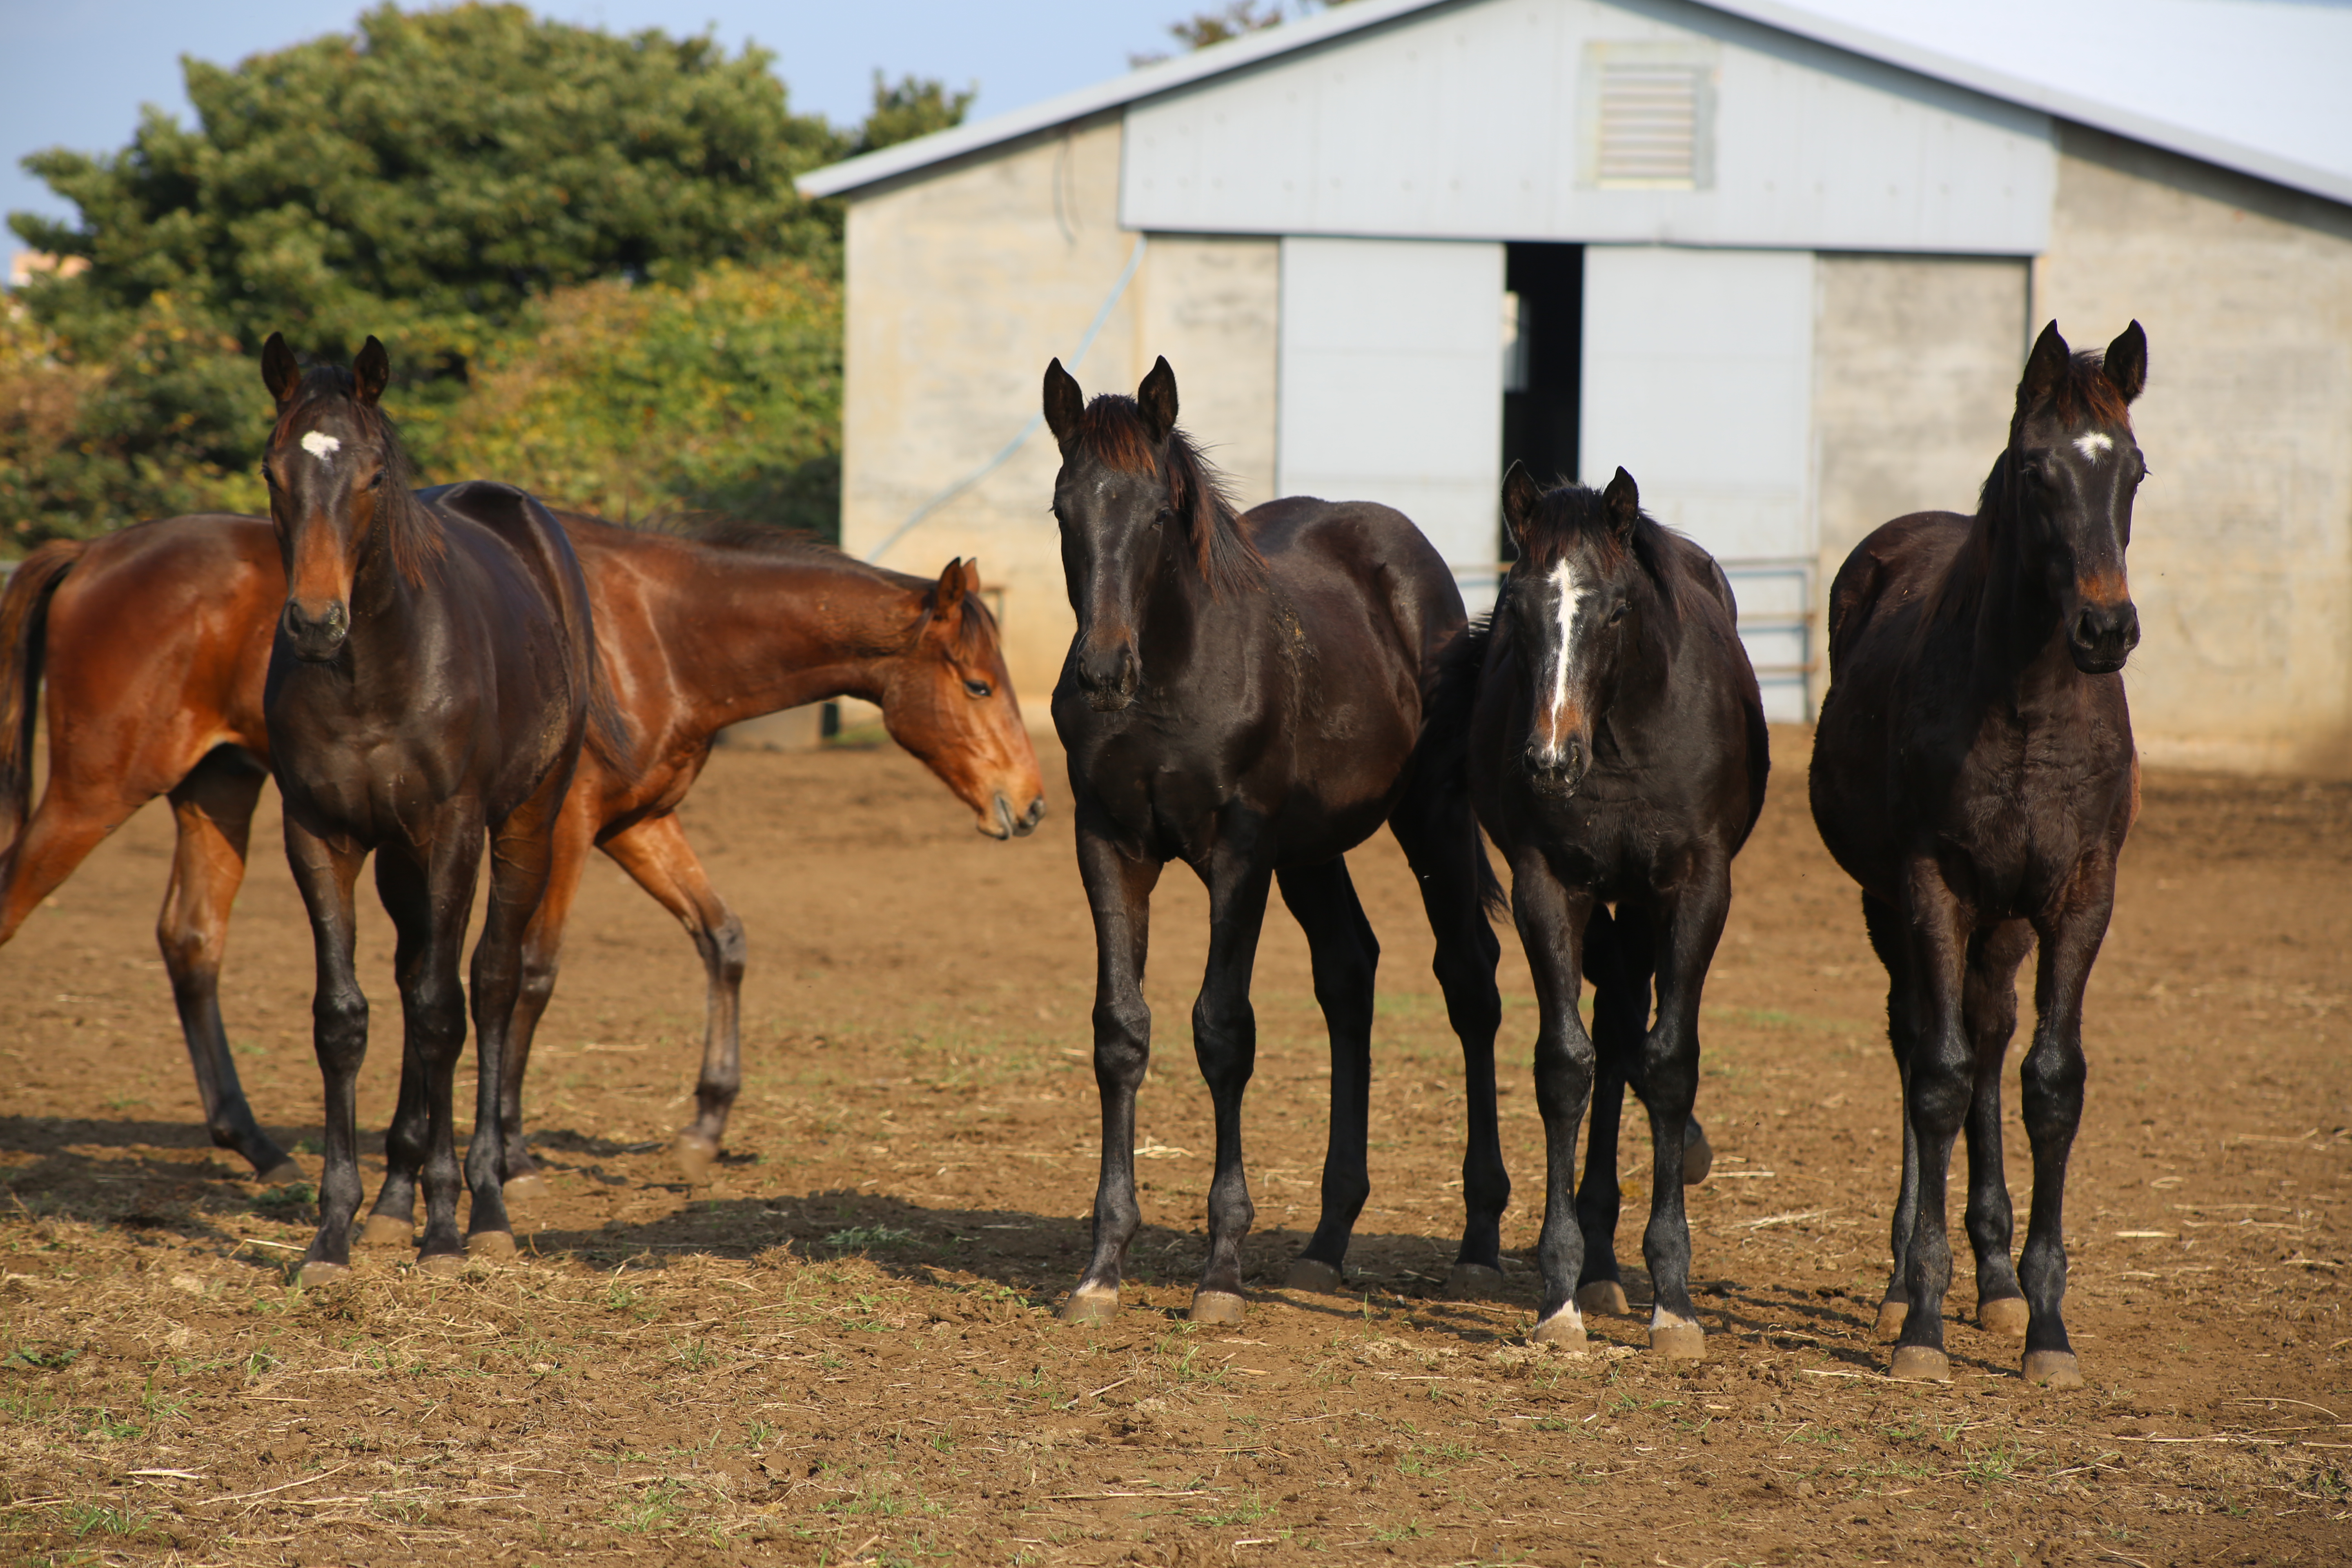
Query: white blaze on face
point(2090, 445)
point(1570, 594)
point(321, 446)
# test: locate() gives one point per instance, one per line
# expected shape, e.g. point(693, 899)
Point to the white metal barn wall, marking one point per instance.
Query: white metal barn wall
point(1390, 379)
point(1698, 381)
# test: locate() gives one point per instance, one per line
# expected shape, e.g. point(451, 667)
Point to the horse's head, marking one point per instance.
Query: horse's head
point(1574, 608)
point(2073, 470)
point(948, 700)
point(338, 483)
point(1134, 502)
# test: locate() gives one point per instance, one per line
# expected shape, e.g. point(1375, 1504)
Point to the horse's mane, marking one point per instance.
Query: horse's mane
point(1114, 430)
point(1567, 514)
point(412, 533)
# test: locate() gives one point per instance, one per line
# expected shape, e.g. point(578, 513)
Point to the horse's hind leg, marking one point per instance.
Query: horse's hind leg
point(1436, 828)
point(1118, 894)
point(1903, 1028)
point(213, 810)
point(1989, 1008)
point(656, 854)
point(1346, 957)
point(1224, 1039)
point(1670, 1056)
point(1617, 962)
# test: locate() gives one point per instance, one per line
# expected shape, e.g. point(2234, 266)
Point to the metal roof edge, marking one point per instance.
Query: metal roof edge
point(1146, 81)
point(1235, 53)
point(2051, 100)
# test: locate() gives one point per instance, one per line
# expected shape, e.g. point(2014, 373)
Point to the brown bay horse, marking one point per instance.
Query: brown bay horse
point(1246, 695)
point(1974, 771)
point(695, 632)
point(429, 688)
point(1617, 757)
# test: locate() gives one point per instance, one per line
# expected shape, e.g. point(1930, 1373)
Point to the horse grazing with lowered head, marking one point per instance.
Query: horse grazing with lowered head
point(696, 629)
point(1973, 770)
point(429, 685)
point(1248, 695)
point(1617, 757)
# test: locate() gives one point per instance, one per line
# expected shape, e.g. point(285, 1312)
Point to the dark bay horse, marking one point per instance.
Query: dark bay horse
point(1974, 771)
point(695, 632)
point(1246, 695)
point(429, 685)
point(1617, 757)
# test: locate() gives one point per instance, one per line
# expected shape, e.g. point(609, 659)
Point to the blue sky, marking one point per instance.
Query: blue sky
point(74, 73)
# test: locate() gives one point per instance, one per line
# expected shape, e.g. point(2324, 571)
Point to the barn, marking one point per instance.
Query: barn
point(1780, 266)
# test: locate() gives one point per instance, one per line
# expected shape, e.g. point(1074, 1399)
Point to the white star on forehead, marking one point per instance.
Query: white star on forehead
point(2091, 445)
point(321, 446)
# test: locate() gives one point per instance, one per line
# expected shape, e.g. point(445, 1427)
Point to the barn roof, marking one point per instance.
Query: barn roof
point(2249, 85)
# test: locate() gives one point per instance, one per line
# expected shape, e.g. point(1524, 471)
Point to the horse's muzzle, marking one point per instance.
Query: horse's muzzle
point(316, 638)
point(2103, 637)
point(1002, 823)
point(1109, 674)
point(1557, 773)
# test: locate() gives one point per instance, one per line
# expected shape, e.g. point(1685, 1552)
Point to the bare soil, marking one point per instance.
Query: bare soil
point(843, 1348)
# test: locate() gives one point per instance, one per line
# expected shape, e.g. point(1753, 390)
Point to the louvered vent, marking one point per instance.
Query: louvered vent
point(1649, 117)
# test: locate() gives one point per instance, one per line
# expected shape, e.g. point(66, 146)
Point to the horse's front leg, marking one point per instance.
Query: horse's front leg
point(1224, 1041)
point(1119, 895)
point(1346, 958)
point(1989, 1004)
point(1890, 939)
point(1937, 1086)
point(2054, 1075)
point(428, 890)
point(1670, 1073)
point(543, 952)
point(339, 1024)
point(1551, 919)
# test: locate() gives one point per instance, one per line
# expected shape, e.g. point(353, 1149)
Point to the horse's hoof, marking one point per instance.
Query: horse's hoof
point(1891, 1318)
point(2054, 1369)
point(1920, 1364)
point(1472, 1283)
point(490, 1245)
point(387, 1230)
point(1313, 1274)
point(1221, 1308)
point(1090, 1304)
point(1563, 1330)
point(696, 1156)
point(441, 1263)
point(1699, 1154)
point(1678, 1342)
point(528, 1188)
point(1602, 1296)
point(284, 1173)
point(2004, 1315)
point(319, 1272)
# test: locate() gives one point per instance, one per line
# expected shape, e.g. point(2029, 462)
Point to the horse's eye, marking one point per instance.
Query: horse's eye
point(1618, 613)
point(977, 687)
point(268, 478)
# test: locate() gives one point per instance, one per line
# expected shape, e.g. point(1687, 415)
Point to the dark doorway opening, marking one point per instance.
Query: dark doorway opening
point(1544, 373)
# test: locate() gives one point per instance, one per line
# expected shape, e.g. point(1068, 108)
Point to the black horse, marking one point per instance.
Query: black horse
point(1247, 695)
point(1974, 772)
point(430, 683)
point(1617, 757)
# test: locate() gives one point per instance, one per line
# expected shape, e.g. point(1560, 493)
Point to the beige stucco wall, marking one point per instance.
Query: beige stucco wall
point(963, 281)
point(2241, 547)
point(1916, 360)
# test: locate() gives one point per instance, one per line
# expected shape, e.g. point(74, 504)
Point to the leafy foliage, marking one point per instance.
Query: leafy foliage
point(915, 107)
point(1237, 19)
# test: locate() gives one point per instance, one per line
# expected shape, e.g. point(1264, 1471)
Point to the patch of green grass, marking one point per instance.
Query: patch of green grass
point(88, 1518)
point(41, 1358)
point(286, 1201)
point(103, 1422)
point(1243, 1511)
point(656, 1508)
point(864, 1238)
point(1411, 1529)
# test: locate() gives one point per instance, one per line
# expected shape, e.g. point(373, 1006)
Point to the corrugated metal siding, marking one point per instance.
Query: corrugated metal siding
point(1390, 379)
point(1476, 121)
point(1698, 381)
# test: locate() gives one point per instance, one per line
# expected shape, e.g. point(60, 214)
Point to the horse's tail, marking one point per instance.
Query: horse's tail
point(1444, 748)
point(608, 727)
point(24, 618)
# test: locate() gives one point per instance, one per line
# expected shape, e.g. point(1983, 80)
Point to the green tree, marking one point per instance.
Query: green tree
point(915, 107)
point(1237, 19)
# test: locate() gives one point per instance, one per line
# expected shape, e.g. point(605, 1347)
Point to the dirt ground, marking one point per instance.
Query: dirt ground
point(844, 1349)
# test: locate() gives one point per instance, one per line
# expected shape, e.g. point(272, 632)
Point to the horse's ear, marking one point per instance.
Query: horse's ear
point(1156, 396)
point(372, 370)
point(2045, 369)
point(279, 372)
point(1064, 403)
point(1520, 494)
point(1622, 502)
point(2126, 362)
point(950, 591)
